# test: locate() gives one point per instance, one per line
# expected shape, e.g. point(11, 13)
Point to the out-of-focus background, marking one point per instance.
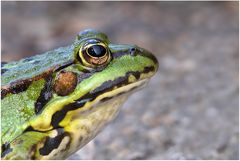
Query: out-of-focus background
point(189, 110)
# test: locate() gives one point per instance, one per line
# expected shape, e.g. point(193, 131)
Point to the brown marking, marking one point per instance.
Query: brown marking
point(17, 86)
point(65, 83)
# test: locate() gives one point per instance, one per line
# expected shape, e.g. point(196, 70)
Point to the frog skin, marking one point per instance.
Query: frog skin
point(55, 103)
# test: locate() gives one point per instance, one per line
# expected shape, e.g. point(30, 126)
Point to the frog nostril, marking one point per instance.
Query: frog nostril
point(132, 51)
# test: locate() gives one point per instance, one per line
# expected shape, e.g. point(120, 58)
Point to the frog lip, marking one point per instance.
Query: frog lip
point(135, 85)
point(138, 84)
point(126, 90)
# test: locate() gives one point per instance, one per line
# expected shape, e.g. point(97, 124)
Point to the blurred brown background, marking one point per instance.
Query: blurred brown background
point(190, 108)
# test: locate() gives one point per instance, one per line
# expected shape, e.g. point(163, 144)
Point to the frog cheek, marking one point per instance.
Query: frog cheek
point(65, 83)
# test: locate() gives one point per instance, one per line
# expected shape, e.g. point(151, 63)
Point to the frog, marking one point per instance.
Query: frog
point(53, 104)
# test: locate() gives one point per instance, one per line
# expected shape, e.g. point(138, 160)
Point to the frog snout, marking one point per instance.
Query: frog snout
point(135, 50)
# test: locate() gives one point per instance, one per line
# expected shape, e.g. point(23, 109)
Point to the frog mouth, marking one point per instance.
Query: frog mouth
point(127, 89)
point(134, 78)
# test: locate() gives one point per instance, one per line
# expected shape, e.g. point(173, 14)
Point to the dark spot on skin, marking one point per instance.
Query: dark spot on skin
point(132, 51)
point(3, 63)
point(52, 143)
point(33, 149)
point(18, 142)
point(45, 95)
point(29, 128)
point(86, 129)
point(3, 93)
point(65, 83)
point(20, 87)
point(36, 62)
point(5, 149)
point(137, 75)
point(28, 59)
point(15, 88)
point(60, 53)
point(3, 70)
point(80, 139)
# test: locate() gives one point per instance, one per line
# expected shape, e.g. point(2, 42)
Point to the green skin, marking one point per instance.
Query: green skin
point(27, 134)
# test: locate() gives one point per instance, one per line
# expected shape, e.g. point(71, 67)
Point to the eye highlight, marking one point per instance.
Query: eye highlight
point(94, 54)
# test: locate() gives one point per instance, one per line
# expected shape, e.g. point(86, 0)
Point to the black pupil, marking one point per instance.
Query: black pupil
point(96, 51)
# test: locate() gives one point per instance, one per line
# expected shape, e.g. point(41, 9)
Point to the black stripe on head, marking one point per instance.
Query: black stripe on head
point(53, 143)
point(45, 95)
point(105, 87)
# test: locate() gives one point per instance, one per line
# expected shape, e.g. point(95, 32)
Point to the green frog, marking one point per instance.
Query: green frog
point(55, 103)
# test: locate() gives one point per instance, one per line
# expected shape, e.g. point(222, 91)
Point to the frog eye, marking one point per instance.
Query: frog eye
point(94, 54)
point(97, 51)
